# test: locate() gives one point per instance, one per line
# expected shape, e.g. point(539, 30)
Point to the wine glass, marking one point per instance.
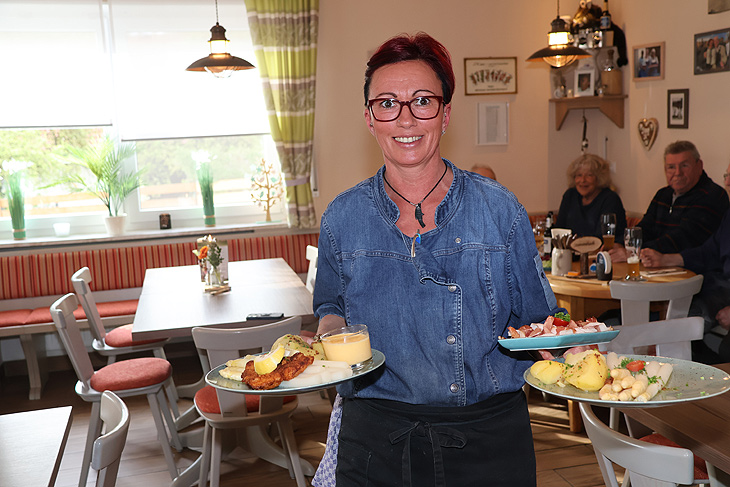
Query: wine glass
point(539, 231)
point(632, 241)
point(608, 230)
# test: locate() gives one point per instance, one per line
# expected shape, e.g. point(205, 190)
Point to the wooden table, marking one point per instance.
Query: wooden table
point(584, 298)
point(31, 446)
point(172, 301)
point(702, 426)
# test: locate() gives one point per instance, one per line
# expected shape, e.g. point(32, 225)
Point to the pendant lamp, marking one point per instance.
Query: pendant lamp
point(219, 62)
point(560, 52)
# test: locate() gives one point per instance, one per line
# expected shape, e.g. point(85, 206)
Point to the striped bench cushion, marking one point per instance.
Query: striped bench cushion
point(27, 276)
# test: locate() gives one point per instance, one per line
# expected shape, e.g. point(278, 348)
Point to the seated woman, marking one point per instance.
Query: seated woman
point(588, 197)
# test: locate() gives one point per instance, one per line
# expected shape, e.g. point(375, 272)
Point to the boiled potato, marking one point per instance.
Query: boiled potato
point(547, 371)
point(588, 374)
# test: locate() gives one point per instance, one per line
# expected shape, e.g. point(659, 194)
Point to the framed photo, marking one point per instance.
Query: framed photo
point(677, 109)
point(492, 123)
point(711, 51)
point(585, 81)
point(490, 75)
point(649, 60)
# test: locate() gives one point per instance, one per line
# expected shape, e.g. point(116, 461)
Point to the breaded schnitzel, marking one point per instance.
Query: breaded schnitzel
point(289, 368)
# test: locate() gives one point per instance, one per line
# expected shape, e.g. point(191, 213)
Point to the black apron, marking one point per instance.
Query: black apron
point(389, 443)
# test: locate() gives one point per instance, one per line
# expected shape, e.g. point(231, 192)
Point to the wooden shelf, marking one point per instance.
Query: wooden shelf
point(611, 106)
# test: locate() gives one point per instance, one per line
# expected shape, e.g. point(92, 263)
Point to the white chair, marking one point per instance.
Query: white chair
point(120, 337)
point(312, 255)
point(646, 464)
point(134, 377)
point(228, 410)
point(107, 450)
point(636, 297)
point(673, 338)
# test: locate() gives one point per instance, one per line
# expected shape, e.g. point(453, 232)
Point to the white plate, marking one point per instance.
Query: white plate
point(562, 341)
point(214, 379)
point(690, 381)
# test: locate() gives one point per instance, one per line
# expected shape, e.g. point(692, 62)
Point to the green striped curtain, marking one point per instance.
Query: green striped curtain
point(284, 34)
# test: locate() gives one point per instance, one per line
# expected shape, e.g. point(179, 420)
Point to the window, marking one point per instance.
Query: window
point(118, 67)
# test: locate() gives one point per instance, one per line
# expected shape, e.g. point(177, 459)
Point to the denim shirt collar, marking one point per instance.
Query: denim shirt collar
point(445, 209)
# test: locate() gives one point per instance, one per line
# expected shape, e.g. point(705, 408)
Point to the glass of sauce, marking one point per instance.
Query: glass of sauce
point(349, 344)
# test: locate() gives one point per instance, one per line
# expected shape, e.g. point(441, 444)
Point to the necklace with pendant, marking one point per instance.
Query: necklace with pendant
point(419, 211)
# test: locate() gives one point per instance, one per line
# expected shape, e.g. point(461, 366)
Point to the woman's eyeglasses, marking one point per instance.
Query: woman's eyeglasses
point(389, 109)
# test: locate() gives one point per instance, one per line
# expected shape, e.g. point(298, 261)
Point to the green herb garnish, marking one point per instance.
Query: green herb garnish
point(562, 315)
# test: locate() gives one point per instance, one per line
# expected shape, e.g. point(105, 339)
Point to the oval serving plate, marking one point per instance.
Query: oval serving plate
point(214, 379)
point(562, 341)
point(690, 381)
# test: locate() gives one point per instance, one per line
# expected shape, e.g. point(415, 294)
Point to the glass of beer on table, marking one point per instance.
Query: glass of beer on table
point(632, 241)
point(539, 232)
point(608, 229)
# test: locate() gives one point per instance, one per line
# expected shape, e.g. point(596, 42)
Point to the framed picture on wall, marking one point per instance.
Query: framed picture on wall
point(677, 109)
point(584, 82)
point(649, 60)
point(711, 51)
point(490, 75)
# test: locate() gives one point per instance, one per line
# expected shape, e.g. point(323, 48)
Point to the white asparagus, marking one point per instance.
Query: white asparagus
point(612, 361)
point(638, 387)
point(662, 377)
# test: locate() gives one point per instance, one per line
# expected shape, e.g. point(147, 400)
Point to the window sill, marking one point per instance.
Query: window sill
point(102, 240)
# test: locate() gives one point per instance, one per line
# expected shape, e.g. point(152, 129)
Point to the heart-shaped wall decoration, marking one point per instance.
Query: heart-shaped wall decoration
point(648, 127)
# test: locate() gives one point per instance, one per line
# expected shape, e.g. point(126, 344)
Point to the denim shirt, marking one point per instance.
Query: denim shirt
point(436, 316)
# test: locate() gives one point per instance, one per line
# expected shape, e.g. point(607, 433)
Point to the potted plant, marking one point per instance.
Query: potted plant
point(112, 185)
point(14, 192)
point(205, 180)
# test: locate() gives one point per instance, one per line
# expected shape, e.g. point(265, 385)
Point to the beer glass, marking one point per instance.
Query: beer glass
point(632, 241)
point(608, 229)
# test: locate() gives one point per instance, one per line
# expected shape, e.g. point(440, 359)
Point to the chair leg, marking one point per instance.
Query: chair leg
point(154, 400)
point(171, 389)
point(289, 443)
point(93, 433)
point(205, 455)
point(215, 457)
point(171, 426)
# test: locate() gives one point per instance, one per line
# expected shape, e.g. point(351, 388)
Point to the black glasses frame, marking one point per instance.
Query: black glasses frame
point(406, 103)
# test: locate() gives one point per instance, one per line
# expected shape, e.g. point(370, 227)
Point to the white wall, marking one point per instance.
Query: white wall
point(533, 164)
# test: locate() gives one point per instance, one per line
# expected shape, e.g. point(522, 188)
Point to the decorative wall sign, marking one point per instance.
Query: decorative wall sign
point(717, 6)
point(492, 123)
point(677, 109)
point(648, 127)
point(490, 75)
point(711, 51)
point(649, 60)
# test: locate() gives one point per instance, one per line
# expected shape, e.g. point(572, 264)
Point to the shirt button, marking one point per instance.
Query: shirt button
point(452, 289)
point(454, 388)
point(451, 339)
point(458, 240)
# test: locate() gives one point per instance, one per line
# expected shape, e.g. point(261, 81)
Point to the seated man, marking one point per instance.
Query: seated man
point(687, 211)
point(712, 259)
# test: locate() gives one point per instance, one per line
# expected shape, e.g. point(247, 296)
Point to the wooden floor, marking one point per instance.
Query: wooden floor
point(564, 459)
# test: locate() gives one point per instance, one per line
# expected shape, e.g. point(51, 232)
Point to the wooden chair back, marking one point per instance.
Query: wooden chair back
point(62, 312)
point(81, 280)
point(646, 464)
point(312, 256)
point(636, 297)
point(220, 345)
point(107, 450)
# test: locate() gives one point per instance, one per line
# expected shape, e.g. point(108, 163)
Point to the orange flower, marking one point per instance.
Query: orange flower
point(203, 253)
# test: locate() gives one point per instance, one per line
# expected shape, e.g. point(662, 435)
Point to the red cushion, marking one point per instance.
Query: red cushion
point(14, 317)
point(207, 401)
point(130, 374)
point(700, 465)
point(121, 336)
point(43, 315)
point(117, 308)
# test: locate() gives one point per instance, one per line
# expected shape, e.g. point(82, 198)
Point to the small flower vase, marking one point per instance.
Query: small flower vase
point(213, 278)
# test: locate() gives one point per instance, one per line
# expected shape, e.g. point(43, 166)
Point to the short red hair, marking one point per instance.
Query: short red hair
point(419, 47)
